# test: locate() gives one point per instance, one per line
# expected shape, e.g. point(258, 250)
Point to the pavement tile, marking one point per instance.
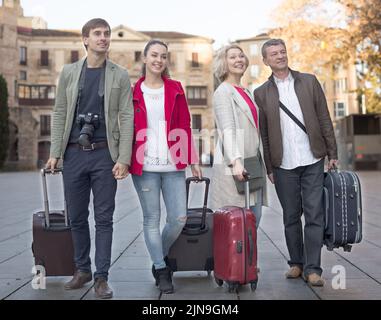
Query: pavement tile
point(130, 290)
point(54, 291)
point(130, 274)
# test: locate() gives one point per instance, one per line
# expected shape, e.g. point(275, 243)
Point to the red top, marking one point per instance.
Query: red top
point(177, 117)
point(250, 104)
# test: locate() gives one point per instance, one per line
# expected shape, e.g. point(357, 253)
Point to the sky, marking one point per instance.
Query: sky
point(221, 20)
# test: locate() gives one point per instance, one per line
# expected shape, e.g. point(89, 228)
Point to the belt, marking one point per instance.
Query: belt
point(93, 146)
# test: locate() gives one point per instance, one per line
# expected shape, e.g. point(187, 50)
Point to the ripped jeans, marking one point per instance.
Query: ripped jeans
point(148, 187)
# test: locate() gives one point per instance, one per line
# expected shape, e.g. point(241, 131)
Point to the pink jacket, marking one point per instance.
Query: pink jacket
point(177, 117)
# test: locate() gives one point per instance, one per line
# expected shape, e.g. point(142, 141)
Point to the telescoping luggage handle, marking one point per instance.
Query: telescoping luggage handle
point(246, 175)
point(204, 207)
point(44, 172)
point(326, 195)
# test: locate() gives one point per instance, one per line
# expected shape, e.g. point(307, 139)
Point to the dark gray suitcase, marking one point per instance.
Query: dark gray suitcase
point(52, 245)
point(343, 209)
point(193, 249)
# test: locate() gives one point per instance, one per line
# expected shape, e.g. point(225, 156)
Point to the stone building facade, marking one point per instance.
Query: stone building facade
point(33, 57)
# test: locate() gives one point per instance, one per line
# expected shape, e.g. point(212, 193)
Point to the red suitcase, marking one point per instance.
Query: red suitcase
point(235, 246)
point(52, 245)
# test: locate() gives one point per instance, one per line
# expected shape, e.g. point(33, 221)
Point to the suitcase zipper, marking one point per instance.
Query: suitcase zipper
point(357, 190)
point(244, 245)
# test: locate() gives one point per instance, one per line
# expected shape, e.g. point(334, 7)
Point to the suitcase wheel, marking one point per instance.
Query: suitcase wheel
point(219, 281)
point(233, 287)
point(253, 285)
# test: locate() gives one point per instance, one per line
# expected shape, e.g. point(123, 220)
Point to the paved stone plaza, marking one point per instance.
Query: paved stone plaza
point(130, 274)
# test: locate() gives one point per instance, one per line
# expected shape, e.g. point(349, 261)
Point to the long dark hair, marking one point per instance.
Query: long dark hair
point(149, 44)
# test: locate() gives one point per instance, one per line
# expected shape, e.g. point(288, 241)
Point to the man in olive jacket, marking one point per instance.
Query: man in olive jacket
point(92, 131)
point(297, 135)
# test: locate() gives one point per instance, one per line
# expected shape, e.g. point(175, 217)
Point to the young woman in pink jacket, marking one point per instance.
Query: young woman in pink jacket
point(163, 148)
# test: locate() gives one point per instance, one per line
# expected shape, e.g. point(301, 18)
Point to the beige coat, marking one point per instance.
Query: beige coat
point(237, 132)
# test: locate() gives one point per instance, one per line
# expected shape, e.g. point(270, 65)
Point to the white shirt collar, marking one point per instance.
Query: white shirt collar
point(287, 79)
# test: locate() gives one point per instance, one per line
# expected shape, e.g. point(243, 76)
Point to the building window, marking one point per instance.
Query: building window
point(197, 125)
point(45, 125)
point(44, 61)
point(197, 95)
point(196, 121)
point(23, 75)
point(23, 56)
point(339, 109)
point(344, 84)
point(340, 86)
point(138, 56)
point(254, 71)
point(74, 56)
point(36, 95)
point(254, 49)
point(195, 62)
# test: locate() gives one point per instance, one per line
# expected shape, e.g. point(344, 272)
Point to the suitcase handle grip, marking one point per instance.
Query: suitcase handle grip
point(44, 172)
point(206, 193)
point(49, 171)
point(334, 168)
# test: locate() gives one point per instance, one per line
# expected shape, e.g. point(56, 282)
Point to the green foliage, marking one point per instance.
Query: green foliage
point(322, 34)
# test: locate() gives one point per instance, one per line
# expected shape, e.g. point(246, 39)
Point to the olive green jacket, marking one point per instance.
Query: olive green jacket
point(118, 108)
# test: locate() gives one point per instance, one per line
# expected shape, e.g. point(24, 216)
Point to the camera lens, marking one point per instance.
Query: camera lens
point(85, 135)
point(88, 123)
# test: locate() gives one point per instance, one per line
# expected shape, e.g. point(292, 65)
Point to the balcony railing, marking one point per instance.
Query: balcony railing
point(36, 102)
point(197, 102)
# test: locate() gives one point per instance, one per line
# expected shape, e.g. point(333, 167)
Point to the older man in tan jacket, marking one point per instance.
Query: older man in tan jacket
point(297, 135)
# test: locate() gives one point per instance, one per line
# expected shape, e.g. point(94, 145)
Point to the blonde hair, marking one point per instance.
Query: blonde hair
point(220, 67)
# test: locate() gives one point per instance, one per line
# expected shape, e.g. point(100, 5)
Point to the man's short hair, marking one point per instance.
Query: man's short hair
point(272, 42)
point(92, 24)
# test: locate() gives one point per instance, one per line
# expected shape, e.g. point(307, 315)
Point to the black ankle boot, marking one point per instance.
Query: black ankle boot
point(164, 280)
point(154, 272)
point(155, 275)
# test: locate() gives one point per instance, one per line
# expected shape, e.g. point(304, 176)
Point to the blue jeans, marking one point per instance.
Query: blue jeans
point(257, 209)
point(148, 187)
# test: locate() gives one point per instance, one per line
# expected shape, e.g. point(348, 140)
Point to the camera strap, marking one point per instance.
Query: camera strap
point(101, 86)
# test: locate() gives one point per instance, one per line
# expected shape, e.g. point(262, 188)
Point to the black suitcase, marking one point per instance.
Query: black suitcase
point(343, 209)
point(52, 245)
point(193, 249)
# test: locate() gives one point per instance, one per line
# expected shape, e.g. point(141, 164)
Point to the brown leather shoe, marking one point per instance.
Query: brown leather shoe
point(102, 290)
point(294, 272)
point(314, 280)
point(78, 280)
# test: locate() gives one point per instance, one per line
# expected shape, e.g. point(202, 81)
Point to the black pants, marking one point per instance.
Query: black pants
point(86, 171)
point(300, 190)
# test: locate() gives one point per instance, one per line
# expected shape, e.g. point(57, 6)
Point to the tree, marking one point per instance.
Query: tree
point(4, 121)
point(327, 33)
point(364, 26)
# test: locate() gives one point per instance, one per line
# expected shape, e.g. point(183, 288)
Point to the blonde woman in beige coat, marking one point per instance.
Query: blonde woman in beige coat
point(238, 137)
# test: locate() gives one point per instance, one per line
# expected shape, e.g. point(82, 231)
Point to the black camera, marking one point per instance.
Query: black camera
point(88, 123)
